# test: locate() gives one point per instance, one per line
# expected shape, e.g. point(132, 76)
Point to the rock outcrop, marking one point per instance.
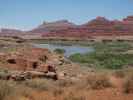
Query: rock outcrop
point(47, 27)
point(29, 63)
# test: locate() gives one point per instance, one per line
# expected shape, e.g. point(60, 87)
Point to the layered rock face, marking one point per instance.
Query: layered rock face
point(35, 59)
point(129, 19)
point(97, 27)
point(48, 27)
point(63, 28)
point(30, 62)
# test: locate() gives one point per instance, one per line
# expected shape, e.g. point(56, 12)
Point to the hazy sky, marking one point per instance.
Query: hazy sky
point(27, 14)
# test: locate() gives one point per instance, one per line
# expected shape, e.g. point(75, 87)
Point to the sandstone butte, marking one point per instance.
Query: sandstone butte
point(97, 27)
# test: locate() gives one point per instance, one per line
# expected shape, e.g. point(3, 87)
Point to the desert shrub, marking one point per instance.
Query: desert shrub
point(81, 85)
point(20, 93)
point(112, 47)
point(71, 96)
point(23, 91)
point(4, 74)
point(119, 73)
point(98, 81)
point(39, 84)
point(57, 91)
point(64, 83)
point(104, 60)
point(60, 51)
point(6, 89)
point(128, 85)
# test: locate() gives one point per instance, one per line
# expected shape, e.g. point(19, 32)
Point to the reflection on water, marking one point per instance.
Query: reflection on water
point(69, 49)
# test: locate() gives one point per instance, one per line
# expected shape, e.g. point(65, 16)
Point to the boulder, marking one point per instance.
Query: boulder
point(51, 75)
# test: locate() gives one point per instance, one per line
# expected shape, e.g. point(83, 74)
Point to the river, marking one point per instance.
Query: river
point(69, 49)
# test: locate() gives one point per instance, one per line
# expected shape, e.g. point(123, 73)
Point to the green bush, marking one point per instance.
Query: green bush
point(60, 51)
point(106, 55)
point(112, 47)
point(104, 60)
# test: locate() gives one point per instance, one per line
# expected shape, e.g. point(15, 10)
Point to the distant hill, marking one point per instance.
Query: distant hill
point(10, 32)
point(96, 27)
point(53, 26)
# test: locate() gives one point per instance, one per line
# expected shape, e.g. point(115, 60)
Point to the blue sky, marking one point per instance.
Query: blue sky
point(27, 14)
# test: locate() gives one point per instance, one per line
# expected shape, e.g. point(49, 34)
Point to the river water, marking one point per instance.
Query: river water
point(69, 49)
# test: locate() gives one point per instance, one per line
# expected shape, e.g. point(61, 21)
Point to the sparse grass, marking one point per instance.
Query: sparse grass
point(11, 49)
point(38, 84)
point(72, 96)
point(64, 83)
point(6, 89)
point(119, 73)
point(10, 90)
point(23, 91)
point(57, 91)
point(98, 81)
point(123, 73)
